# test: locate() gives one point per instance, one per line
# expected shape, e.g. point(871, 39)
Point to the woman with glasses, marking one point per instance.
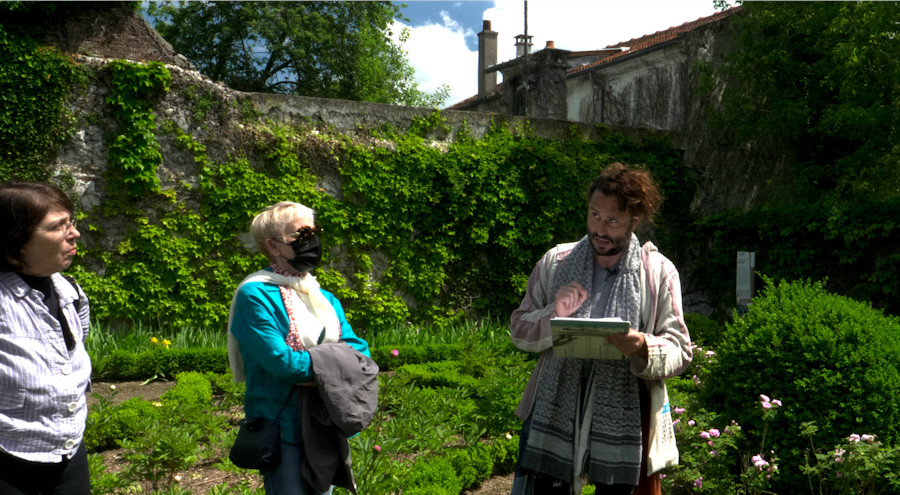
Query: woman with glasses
point(277, 315)
point(44, 369)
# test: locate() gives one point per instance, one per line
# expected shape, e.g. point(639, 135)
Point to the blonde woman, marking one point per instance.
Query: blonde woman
point(277, 315)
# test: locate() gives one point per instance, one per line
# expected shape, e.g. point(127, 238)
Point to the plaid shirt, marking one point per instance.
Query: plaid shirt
point(43, 385)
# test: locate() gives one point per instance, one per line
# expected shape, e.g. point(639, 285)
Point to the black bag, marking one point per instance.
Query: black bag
point(258, 444)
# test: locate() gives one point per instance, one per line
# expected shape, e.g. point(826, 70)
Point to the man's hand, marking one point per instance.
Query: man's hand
point(569, 298)
point(630, 343)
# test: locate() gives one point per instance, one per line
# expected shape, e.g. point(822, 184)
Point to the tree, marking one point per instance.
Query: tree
point(826, 75)
point(324, 49)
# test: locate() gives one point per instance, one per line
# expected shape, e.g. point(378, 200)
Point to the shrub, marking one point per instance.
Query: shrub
point(107, 425)
point(413, 354)
point(439, 374)
point(192, 389)
point(828, 358)
point(164, 363)
point(433, 476)
point(704, 331)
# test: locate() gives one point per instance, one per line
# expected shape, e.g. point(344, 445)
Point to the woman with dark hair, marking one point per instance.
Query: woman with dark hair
point(44, 369)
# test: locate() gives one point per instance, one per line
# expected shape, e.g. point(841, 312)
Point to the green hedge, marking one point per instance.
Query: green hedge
point(828, 358)
point(164, 363)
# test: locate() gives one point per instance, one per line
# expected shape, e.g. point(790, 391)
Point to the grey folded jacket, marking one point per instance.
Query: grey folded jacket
point(341, 405)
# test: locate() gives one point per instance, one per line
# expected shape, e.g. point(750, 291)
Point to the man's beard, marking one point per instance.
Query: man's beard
point(618, 246)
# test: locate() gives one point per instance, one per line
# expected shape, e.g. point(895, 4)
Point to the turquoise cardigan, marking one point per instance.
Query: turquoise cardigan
point(260, 326)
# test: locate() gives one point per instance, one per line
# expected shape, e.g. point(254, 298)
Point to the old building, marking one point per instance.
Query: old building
point(646, 82)
point(651, 84)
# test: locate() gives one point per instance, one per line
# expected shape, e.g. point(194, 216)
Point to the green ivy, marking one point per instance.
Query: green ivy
point(454, 231)
point(35, 82)
point(134, 154)
point(423, 232)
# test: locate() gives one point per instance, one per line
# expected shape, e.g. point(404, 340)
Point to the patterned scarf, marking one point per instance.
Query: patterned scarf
point(308, 311)
point(312, 318)
point(590, 415)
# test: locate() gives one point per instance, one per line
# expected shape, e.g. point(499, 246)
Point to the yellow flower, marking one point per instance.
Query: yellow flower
point(154, 340)
point(167, 343)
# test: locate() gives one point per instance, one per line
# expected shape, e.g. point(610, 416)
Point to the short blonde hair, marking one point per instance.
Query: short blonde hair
point(270, 221)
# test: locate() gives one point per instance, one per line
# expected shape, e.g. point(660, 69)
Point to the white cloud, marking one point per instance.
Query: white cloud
point(439, 54)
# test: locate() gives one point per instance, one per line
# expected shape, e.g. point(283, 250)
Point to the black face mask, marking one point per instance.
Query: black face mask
point(306, 254)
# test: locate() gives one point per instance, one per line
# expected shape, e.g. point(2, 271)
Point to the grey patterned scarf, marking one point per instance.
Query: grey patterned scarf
point(603, 431)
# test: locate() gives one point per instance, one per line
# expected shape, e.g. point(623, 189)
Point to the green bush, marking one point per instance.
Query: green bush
point(191, 389)
point(438, 374)
point(829, 359)
point(106, 426)
point(414, 354)
point(164, 363)
point(472, 465)
point(704, 330)
point(433, 476)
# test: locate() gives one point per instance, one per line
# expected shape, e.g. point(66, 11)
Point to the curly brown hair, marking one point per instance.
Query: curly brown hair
point(634, 186)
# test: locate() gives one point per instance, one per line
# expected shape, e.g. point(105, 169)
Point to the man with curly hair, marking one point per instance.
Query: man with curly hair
point(604, 420)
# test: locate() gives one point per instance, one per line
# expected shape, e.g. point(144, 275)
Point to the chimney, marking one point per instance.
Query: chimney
point(523, 45)
point(551, 45)
point(487, 56)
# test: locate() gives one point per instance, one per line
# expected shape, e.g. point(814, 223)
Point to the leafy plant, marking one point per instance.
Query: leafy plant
point(830, 359)
point(35, 83)
point(859, 464)
point(134, 154)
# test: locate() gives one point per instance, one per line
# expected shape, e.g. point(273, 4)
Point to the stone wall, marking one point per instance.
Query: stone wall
point(84, 158)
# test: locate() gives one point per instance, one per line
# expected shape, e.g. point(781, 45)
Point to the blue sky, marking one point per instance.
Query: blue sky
point(443, 36)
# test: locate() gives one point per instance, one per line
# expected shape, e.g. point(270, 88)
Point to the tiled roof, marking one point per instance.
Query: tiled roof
point(645, 42)
point(463, 103)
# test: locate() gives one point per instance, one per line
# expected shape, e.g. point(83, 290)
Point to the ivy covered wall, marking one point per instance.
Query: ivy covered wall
point(428, 216)
point(423, 223)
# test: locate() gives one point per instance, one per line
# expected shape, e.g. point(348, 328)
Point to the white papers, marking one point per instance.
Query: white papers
point(585, 338)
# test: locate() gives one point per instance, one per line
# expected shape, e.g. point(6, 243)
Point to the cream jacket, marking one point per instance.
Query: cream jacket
point(662, 322)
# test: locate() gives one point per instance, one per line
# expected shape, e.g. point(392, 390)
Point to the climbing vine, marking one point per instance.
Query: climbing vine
point(35, 82)
point(134, 154)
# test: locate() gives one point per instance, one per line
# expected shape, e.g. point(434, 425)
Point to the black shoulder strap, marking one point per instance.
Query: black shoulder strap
point(79, 303)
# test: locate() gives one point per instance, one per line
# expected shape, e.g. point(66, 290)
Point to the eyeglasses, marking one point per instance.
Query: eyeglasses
point(63, 229)
point(303, 235)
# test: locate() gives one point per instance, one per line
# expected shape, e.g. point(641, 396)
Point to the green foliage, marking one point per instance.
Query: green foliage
point(158, 454)
point(438, 374)
point(35, 82)
point(860, 464)
point(134, 155)
point(325, 49)
point(819, 240)
point(460, 224)
point(703, 330)
point(106, 425)
point(829, 359)
point(163, 363)
point(102, 481)
point(435, 476)
point(824, 77)
point(192, 389)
